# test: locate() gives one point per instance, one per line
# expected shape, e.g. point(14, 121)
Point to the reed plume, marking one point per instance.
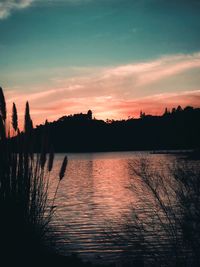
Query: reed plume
point(43, 159)
point(28, 124)
point(61, 176)
point(2, 105)
point(50, 162)
point(14, 118)
point(2, 129)
point(63, 168)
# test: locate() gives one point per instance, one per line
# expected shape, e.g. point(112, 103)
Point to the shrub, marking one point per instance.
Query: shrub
point(164, 227)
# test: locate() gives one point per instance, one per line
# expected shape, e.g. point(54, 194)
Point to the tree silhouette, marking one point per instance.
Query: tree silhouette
point(142, 114)
point(166, 112)
point(173, 110)
point(14, 118)
point(179, 109)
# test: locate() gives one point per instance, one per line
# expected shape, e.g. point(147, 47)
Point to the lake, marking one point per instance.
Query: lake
point(93, 199)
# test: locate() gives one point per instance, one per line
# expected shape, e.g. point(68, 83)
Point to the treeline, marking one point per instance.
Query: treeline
point(175, 129)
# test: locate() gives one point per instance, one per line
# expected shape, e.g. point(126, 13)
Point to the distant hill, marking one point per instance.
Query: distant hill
point(177, 129)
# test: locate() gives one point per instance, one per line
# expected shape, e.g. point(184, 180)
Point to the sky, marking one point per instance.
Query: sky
point(115, 57)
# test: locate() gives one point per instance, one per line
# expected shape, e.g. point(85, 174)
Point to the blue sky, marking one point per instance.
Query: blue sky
point(68, 47)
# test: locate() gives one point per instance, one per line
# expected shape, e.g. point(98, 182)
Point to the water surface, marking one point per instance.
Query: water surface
point(93, 198)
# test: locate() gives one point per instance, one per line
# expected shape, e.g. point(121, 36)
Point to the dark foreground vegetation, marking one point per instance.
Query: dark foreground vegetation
point(164, 231)
point(176, 129)
point(26, 234)
point(27, 207)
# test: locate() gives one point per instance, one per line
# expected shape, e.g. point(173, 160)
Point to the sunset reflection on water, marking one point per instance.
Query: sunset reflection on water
point(92, 199)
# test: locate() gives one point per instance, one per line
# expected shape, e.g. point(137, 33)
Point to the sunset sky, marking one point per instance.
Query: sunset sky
point(116, 57)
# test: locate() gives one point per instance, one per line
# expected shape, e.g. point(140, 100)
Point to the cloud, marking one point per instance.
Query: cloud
point(8, 6)
point(112, 92)
point(150, 72)
point(154, 105)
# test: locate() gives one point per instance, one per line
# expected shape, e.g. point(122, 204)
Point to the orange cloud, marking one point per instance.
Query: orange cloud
point(114, 92)
point(155, 105)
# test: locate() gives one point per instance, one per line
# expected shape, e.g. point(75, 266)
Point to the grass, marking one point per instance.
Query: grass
point(25, 208)
point(164, 230)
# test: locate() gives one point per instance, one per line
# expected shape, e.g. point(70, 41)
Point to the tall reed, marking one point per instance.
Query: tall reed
point(25, 208)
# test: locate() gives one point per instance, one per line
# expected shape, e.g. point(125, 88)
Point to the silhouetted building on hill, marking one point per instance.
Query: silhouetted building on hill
point(78, 116)
point(89, 114)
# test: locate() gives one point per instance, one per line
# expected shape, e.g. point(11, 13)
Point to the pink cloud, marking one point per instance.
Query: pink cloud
point(113, 92)
point(156, 105)
point(112, 108)
point(168, 69)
